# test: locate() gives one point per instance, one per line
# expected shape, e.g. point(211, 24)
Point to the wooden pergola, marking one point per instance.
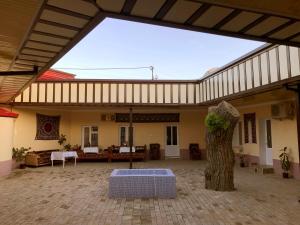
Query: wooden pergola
point(39, 33)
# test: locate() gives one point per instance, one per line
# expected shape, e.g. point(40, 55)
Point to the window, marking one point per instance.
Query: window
point(250, 128)
point(124, 135)
point(269, 133)
point(89, 136)
point(171, 135)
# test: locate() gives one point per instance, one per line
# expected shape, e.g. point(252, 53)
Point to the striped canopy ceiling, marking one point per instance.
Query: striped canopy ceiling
point(39, 33)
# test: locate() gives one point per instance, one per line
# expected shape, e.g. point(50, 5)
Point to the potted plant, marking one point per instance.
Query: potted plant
point(18, 154)
point(285, 162)
point(61, 141)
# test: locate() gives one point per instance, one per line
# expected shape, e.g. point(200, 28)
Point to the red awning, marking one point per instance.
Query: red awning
point(6, 113)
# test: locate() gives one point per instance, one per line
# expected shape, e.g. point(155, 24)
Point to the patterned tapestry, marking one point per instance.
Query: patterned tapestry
point(47, 127)
point(148, 117)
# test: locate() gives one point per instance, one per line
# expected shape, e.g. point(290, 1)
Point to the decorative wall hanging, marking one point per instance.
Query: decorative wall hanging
point(47, 127)
point(148, 117)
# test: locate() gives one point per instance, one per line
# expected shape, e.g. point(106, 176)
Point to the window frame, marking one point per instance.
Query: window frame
point(126, 135)
point(91, 132)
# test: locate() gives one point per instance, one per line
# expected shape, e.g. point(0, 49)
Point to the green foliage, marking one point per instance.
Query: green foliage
point(284, 159)
point(19, 153)
point(62, 139)
point(67, 147)
point(215, 122)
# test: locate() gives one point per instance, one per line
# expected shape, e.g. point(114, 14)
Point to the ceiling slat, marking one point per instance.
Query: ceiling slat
point(67, 12)
point(128, 6)
point(51, 35)
point(203, 8)
point(228, 18)
point(59, 25)
point(164, 9)
point(254, 23)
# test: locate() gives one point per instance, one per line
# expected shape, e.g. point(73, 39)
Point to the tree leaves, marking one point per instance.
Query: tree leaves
point(215, 122)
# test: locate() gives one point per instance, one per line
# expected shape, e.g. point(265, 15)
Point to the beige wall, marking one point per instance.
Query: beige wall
point(190, 129)
point(284, 133)
point(6, 138)
point(25, 129)
point(261, 112)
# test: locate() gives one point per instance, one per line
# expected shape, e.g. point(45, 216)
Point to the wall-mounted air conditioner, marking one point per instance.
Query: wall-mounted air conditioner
point(285, 110)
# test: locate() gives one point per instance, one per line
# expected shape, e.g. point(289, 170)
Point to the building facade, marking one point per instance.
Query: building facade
point(260, 84)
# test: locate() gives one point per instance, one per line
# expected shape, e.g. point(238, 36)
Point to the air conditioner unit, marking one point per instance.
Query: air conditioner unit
point(107, 117)
point(285, 110)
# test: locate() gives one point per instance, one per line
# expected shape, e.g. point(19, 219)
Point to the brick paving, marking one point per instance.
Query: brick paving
point(78, 195)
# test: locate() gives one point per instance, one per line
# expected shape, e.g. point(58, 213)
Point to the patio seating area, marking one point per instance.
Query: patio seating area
point(79, 195)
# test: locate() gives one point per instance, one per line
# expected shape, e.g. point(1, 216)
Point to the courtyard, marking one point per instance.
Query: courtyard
point(78, 195)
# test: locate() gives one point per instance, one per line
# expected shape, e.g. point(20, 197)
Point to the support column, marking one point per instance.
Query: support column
point(130, 136)
point(6, 140)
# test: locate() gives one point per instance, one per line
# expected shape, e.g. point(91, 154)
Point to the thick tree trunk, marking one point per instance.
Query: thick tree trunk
point(220, 155)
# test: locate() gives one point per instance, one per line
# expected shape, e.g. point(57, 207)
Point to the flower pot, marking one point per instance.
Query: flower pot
point(285, 175)
point(22, 166)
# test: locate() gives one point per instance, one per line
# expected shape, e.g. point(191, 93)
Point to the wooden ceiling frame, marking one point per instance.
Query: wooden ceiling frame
point(164, 9)
point(92, 22)
point(228, 18)
point(67, 12)
point(125, 14)
point(281, 27)
point(45, 43)
point(38, 49)
point(128, 6)
point(196, 15)
point(61, 25)
point(23, 73)
point(187, 26)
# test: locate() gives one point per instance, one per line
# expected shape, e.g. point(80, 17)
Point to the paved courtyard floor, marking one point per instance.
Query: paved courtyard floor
point(78, 195)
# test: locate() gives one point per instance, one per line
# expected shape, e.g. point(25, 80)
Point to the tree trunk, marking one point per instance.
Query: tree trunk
point(220, 155)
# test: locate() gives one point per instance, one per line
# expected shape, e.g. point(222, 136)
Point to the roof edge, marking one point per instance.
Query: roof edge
point(241, 58)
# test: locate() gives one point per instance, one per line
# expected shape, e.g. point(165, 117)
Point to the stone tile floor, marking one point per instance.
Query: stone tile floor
point(78, 195)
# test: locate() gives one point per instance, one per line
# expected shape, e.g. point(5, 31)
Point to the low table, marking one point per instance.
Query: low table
point(63, 155)
point(142, 183)
point(126, 149)
point(90, 150)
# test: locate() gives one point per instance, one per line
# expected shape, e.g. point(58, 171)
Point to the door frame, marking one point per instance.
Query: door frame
point(263, 143)
point(177, 147)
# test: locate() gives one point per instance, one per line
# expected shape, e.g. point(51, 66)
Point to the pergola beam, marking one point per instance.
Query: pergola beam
point(18, 73)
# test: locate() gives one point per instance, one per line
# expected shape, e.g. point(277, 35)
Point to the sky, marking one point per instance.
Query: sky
point(174, 53)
